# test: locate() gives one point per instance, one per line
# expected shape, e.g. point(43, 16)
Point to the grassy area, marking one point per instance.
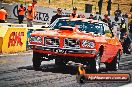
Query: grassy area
point(80, 4)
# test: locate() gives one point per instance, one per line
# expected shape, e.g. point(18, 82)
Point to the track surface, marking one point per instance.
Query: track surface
point(17, 71)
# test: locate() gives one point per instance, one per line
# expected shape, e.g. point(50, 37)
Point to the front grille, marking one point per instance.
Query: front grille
point(71, 43)
point(52, 41)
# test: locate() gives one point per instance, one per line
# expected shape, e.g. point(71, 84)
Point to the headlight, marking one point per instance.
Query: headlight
point(35, 39)
point(86, 43)
point(39, 39)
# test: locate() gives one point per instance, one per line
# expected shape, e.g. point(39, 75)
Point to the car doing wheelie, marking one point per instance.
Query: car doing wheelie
point(81, 40)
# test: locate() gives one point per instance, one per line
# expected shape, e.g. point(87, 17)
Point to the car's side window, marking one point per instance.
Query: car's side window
point(106, 29)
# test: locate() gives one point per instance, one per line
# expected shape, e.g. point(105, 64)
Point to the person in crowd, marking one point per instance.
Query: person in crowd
point(131, 9)
point(74, 13)
point(118, 12)
point(31, 13)
point(116, 18)
point(124, 15)
point(58, 15)
point(91, 16)
point(21, 12)
point(108, 21)
point(123, 28)
point(116, 29)
point(82, 16)
point(97, 16)
point(130, 29)
point(126, 43)
point(3, 15)
point(106, 18)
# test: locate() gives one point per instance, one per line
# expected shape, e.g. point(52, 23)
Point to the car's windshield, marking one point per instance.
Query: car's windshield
point(82, 26)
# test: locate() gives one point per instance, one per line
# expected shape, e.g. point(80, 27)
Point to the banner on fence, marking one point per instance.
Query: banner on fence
point(13, 39)
point(44, 14)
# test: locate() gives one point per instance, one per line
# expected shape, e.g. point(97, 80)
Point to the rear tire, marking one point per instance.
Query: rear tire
point(36, 60)
point(114, 65)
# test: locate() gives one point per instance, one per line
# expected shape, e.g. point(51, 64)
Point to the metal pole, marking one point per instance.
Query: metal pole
point(49, 1)
point(72, 2)
point(118, 7)
point(25, 2)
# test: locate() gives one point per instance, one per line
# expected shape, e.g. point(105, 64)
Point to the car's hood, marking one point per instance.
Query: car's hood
point(65, 34)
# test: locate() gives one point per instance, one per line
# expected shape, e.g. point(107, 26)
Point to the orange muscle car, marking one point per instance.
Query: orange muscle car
point(81, 40)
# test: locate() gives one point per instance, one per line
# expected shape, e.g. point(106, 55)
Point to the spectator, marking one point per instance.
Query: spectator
point(131, 9)
point(31, 13)
point(126, 44)
point(21, 12)
point(91, 16)
point(118, 12)
point(126, 15)
point(116, 18)
point(97, 16)
point(115, 30)
point(74, 13)
point(3, 15)
point(130, 29)
point(123, 28)
point(58, 15)
point(106, 18)
point(82, 16)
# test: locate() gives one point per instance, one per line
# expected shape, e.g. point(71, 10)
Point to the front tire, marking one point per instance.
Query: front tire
point(114, 65)
point(36, 60)
point(95, 64)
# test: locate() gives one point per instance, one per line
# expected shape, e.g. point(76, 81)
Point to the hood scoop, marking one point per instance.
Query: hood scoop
point(67, 29)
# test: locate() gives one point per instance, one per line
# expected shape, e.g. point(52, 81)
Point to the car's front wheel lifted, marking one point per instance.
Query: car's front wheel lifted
point(114, 65)
point(95, 64)
point(36, 60)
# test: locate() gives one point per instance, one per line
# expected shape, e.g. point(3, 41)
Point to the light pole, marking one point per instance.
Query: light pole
point(72, 2)
point(49, 2)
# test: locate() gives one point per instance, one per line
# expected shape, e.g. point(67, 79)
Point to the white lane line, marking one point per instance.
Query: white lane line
point(127, 85)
